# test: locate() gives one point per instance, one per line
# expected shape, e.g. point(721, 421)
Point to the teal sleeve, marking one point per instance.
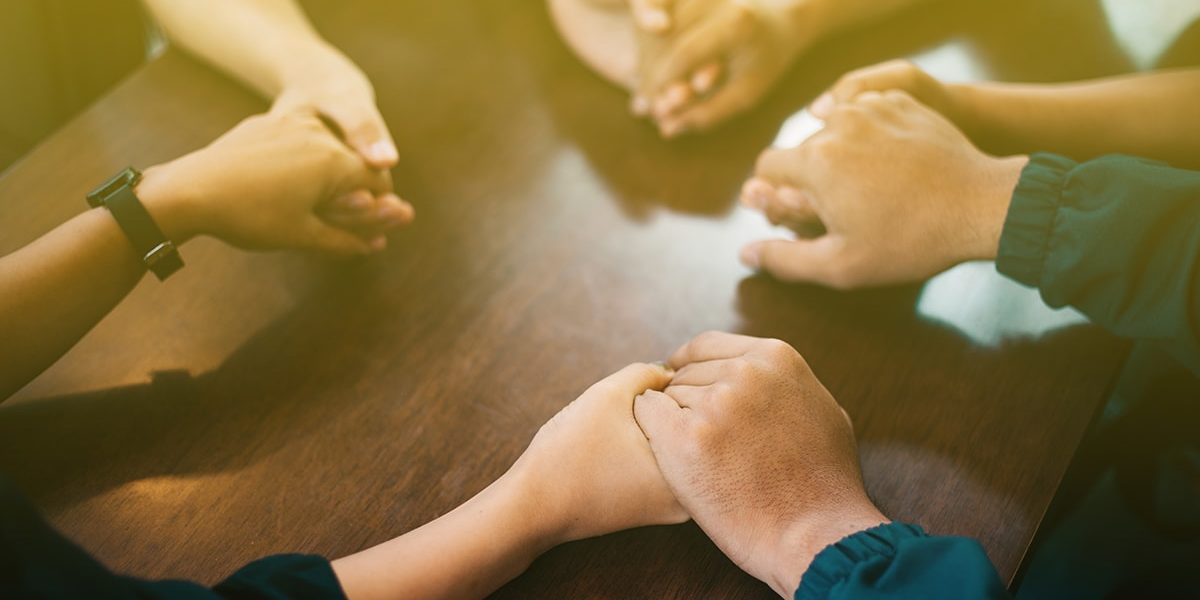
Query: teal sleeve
point(898, 561)
point(1118, 238)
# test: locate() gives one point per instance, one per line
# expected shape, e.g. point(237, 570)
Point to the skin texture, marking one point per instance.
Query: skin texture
point(238, 189)
point(759, 453)
point(921, 197)
point(1146, 114)
point(588, 471)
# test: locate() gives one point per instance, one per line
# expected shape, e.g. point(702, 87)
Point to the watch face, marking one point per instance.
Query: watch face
point(129, 176)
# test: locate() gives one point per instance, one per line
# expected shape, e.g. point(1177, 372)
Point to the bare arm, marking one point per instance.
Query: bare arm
point(1154, 115)
point(239, 189)
point(90, 256)
point(263, 43)
point(270, 46)
point(589, 471)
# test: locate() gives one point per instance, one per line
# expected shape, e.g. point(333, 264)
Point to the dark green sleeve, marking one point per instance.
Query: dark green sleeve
point(1118, 238)
point(898, 561)
point(38, 562)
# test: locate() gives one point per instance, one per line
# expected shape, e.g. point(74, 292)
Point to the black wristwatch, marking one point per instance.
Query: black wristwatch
point(160, 254)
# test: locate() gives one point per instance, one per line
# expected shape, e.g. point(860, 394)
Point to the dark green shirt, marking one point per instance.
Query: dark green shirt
point(1118, 238)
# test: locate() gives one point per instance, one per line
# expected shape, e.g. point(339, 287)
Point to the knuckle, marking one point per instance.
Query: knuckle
point(777, 349)
point(642, 371)
point(740, 370)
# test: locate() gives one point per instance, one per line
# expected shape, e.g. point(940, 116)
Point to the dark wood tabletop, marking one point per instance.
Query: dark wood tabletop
point(257, 404)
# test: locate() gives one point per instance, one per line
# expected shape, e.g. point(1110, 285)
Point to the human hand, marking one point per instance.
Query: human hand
point(590, 466)
point(901, 195)
point(712, 59)
point(330, 84)
point(268, 183)
point(899, 75)
point(758, 453)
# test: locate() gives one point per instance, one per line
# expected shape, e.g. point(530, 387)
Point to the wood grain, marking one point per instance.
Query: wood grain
point(257, 404)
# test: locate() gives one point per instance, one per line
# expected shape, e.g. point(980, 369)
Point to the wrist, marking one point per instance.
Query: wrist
point(538, 518)
point(987, 217)
point(799, 542)
point(171, 202)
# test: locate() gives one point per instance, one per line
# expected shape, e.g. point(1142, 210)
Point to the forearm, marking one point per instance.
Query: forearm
point(1117, 238)
point(56, 289)
point(467, 553)
point(836, 16)
point(263, 43)
point(1153, 115)
point(901, 561)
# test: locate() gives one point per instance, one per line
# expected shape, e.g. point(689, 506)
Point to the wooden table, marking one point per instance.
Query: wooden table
point(257, 404)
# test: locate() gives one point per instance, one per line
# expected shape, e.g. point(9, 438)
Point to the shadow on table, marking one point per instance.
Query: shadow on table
point(274, 392)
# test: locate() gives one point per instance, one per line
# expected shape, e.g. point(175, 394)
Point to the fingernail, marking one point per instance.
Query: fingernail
point(670, 101)
point(640, 106)
point(664, 367)
point(749, 257)
point(655, 20)
point(703, 80)
point(383, 152)
point(822, 106)
point(378, 244)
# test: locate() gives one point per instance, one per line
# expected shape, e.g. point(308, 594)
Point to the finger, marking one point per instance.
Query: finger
point(705, 79)
point(782, 167)
point(791, 208)
point(689, 396)
point(634, 379)
point(660, 418)
point(395, 211)
point(364, 213)
point(685, 55)
point(893, 74)
point(710, 345)
point(702, 373)
point(729, 100)
point(651, 16)
point(757, 193)
point(815, 261)
point(366, 132)
point(356, 203)
point(677, 95)
point(327, 238)
point(362, 175)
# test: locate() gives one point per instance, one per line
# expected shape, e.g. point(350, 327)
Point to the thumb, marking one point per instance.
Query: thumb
point(365, 131)
point(660, 418)
point(335, 240)
point(814, 261)
point(632, 380)
point(891, 75)
point(651, 15)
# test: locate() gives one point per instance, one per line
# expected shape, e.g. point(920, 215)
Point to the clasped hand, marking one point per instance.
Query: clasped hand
point(734, 432)
point(281, 180)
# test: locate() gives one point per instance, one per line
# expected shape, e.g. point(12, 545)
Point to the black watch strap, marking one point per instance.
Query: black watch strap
point(159, 253)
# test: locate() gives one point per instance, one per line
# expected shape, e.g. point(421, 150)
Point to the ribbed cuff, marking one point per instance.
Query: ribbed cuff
point(835, 563)
point(1025, 240)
